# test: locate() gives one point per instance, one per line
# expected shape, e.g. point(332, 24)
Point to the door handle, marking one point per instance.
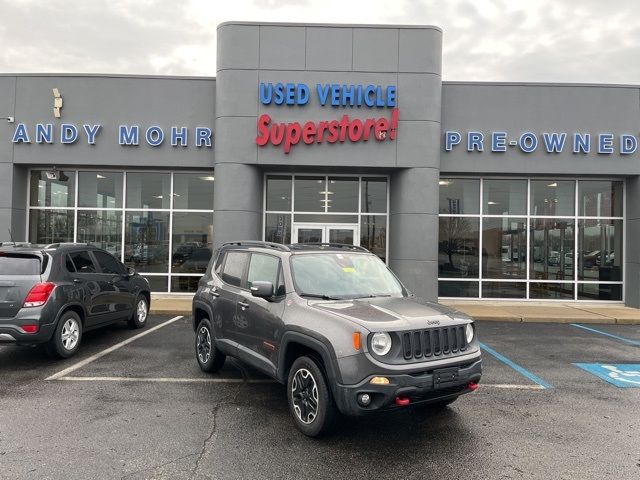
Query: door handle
point(243, 304)
point(77, 280)
point(214, 293)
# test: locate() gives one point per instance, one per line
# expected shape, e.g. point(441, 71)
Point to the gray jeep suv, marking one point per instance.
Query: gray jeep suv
point(334, 325)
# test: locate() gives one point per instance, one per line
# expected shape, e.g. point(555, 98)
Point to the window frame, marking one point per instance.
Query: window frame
point(575, 217)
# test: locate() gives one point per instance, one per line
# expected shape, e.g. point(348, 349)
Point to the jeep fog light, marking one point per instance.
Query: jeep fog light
point(364, 399)
point(468, 331)
point(381, 343)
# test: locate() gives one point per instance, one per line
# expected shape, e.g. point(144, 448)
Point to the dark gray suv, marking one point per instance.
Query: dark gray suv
point(335, 325)
point(51, 294)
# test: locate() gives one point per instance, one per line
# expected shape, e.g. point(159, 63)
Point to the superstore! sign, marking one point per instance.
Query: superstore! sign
point(288, 134)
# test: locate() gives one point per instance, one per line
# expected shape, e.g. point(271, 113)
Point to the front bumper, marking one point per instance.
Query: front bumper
point(419, 388)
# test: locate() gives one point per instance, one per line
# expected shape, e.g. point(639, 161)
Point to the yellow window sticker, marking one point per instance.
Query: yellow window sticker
point(349, 269)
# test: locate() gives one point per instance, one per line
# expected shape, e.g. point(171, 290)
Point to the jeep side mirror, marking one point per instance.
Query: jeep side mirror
point(131, 271)
point(262, 289)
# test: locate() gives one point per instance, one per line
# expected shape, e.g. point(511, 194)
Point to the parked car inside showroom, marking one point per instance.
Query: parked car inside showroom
point(52, 294)
point(335, 325)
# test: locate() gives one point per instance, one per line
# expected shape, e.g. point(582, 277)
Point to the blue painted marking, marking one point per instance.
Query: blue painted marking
point(622, 339)
point(522, 371)
point(620, 375)
point(513, 143)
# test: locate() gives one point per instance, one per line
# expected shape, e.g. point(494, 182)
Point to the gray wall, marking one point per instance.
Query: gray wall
point(106, 100)
point(538, 108)
point(408, 57)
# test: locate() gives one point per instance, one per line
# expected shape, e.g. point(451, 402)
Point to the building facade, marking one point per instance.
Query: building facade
point(334, 133)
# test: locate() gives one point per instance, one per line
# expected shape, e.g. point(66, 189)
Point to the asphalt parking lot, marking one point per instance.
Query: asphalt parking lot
point(144, 410)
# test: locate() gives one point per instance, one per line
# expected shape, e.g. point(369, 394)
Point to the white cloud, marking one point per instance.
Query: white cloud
point(500, 40)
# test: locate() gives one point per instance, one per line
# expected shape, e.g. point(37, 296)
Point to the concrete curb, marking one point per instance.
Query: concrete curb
point(513, 312)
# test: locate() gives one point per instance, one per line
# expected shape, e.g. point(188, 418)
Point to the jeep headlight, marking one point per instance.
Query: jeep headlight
point(381, 343)
point(468, 332)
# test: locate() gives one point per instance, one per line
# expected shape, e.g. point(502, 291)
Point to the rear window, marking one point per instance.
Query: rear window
point(19, 265)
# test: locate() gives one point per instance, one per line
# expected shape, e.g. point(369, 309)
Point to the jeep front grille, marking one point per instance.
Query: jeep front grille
point(434, 342)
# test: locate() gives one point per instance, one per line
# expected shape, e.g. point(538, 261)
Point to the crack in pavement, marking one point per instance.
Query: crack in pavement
point(214, 413)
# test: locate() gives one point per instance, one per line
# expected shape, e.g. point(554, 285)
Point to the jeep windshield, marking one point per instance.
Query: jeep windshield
point(343, 276)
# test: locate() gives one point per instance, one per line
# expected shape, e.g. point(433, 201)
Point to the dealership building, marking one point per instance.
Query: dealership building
point(334, 133)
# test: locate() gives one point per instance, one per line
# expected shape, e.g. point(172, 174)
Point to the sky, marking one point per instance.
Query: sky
point(585, 41)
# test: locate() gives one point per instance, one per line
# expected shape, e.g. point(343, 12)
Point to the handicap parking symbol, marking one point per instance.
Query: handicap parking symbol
point(621, 375)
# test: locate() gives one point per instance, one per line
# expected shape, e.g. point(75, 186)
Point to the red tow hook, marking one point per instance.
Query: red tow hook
point(473, 386)
point(402, 401)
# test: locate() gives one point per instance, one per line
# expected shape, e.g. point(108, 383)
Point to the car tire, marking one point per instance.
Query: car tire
point(140, 313)
point(209, 358)
point(307, 386)
point(66, 337)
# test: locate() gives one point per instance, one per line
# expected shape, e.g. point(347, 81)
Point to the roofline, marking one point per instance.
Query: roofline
point(539, 84)
point(109, 75)
point(332, 25)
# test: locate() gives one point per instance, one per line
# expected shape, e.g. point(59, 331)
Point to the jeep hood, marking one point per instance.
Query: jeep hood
point(392, 313)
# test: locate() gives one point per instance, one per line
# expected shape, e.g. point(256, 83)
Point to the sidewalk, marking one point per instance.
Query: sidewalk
point(553, 312)
point(163, 304)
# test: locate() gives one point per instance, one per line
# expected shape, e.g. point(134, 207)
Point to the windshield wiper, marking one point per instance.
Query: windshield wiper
point(317, 295)
point(372, 295)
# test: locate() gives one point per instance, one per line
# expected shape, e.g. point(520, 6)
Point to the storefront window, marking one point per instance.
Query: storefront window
point(374, 195)
point(52, 188)
point(459, 247)
point(310, 194)
point(102, 228)
point(600, 250)
point(558, 250)
point(459, 195)
point(51, 226)
point(329, 209)
point(146, 244)
point(504, 197)
point(458, 289)
point(342, 194)
point(278, 227)
point(600, 198)
point(504, 242)
point(168, 259)
point(279, 193)
point(192, 191)
point(148, 190)
point(552, 252)
point(192, 242)
point(373, 234)
point(100, 189)
point(553, 197)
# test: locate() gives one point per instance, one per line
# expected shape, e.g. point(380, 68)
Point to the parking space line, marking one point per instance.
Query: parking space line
point(92, 358)
point(521, 370)
point(595, 330)
point(165, 380)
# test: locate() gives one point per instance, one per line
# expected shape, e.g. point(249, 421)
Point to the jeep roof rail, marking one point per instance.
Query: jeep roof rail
point(300, 246)
point(63, 244)
point(257, 243)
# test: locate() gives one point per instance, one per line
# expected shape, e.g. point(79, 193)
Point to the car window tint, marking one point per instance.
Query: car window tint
point(69, 264)
point(263, 268)
point(82, 262)
point(281, 289)
point(218, 265)
point(19, 265)
point(234, 267)
point(108, 263)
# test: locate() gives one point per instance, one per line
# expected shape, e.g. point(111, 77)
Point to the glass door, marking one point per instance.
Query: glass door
point(308, 234)
point(343, 234)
